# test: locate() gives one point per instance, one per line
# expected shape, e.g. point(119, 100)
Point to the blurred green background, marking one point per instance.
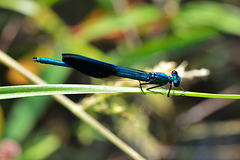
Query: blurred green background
point(140, 34)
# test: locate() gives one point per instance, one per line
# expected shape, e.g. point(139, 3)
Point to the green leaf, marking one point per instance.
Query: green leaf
point(11, 92)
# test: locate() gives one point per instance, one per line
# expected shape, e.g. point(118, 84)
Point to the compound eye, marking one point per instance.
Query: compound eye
point(176, 78)
point(174, 73)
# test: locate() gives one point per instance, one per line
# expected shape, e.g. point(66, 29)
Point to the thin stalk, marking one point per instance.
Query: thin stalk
point(73, 107)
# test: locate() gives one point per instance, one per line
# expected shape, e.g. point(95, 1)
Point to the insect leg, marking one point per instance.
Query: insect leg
point(140, 85)
point(150, 89)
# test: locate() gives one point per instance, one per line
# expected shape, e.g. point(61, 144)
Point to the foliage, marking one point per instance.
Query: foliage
point(129, 33)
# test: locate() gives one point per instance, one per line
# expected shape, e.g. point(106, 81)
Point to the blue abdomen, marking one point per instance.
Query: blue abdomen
point(131, 73)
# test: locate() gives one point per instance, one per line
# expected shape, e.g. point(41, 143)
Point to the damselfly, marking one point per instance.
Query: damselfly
point(100, 69)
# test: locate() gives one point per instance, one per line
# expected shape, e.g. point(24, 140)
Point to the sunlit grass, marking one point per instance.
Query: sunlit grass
point(10, 92)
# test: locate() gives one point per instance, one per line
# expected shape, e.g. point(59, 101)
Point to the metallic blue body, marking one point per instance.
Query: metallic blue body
point(100, 69)
point(45, 60)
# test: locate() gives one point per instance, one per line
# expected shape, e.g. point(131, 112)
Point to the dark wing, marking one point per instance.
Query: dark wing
point(89, 66)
